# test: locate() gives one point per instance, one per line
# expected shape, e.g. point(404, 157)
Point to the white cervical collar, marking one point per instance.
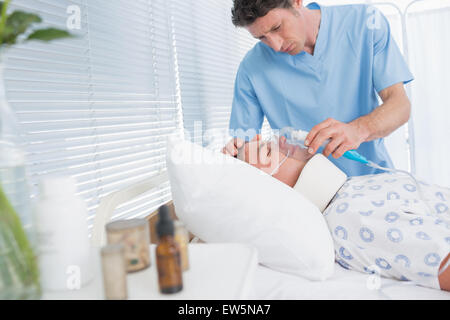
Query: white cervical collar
point(320, 180)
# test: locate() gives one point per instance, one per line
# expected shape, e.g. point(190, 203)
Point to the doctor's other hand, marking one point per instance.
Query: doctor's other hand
point(341, 137)
point(231, 148)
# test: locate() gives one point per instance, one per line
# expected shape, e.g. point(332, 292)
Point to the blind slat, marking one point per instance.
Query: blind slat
point(99, 106)
point(207, 80)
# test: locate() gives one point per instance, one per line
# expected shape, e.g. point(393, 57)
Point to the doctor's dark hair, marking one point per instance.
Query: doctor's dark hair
point(245, 12)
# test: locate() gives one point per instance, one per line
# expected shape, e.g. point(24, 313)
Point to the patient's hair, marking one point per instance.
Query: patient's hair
point(245, 12)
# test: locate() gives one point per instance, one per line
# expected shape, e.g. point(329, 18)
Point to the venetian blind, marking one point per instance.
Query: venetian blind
point(209, 49)
point(97, 107)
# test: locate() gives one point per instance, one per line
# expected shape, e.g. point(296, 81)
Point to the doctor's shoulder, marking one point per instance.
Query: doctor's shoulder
point(364, 24)
point(356, 14)
point(357, 19)
point(258, 55)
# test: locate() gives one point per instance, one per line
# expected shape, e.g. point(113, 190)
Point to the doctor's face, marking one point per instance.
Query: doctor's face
point(281, 29)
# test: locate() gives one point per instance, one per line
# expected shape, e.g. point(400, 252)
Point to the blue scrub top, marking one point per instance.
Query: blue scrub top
point(351, 63)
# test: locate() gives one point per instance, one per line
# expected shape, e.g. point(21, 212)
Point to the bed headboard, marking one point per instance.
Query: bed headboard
point(110, 202)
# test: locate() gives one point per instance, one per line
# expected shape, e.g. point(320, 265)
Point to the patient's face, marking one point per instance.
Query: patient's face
point(267, 156)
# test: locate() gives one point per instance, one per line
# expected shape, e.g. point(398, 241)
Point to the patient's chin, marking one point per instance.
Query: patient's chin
point(288, 177)
point(267, 168)
point(286, 180)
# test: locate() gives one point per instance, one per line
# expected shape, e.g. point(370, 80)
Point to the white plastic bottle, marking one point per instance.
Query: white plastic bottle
point(63, 241)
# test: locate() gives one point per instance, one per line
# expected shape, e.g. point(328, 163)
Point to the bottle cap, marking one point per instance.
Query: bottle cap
point(164, 225)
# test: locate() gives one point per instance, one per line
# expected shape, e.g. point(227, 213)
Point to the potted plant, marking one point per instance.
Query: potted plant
point(19, 275)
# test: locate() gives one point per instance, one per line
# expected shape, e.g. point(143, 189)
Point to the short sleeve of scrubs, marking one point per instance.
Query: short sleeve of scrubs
point(389, 66)
point(246, 111)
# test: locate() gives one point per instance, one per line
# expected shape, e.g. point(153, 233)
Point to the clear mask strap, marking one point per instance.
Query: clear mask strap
point(281, 163)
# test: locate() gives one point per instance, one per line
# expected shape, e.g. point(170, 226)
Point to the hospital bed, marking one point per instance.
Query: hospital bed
point(274, 285)
point(344, 284)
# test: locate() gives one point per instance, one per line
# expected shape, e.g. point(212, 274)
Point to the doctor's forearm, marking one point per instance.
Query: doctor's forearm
point(388, 117)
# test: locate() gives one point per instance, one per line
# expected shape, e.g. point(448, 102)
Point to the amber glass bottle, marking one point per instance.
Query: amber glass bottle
point(168, 258)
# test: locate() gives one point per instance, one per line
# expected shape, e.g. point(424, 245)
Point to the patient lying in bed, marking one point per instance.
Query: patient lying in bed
point(379, 223)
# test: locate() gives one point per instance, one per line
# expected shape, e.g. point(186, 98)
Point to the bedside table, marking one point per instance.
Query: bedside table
point(218, 271)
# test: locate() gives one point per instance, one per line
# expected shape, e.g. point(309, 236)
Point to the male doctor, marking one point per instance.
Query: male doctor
point(321, 69)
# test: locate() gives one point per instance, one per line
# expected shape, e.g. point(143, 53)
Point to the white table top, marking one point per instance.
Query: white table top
point(217, 271)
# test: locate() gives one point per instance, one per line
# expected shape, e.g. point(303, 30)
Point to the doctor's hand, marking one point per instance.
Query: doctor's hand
point(343, 137)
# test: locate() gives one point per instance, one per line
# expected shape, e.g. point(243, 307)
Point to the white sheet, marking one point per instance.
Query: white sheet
point(344, 284)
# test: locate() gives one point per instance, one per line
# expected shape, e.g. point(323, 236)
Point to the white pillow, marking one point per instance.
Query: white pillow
point(222, 199)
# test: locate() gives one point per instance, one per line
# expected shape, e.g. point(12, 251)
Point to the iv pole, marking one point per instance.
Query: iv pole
point(410, 126)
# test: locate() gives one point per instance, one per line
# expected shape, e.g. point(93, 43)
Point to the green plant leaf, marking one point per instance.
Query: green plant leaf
point(2, 3)
point(49, 34)
point(17, 23)
point(22, 257)
point(3, 8)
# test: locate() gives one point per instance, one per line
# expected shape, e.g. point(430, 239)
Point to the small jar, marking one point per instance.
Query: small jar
point(114, 272)
point(134, 235)
point(182, 238)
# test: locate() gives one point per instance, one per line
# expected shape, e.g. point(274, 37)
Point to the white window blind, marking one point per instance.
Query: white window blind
point(209, 49)
point(97, 107)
